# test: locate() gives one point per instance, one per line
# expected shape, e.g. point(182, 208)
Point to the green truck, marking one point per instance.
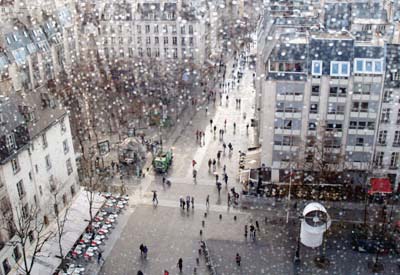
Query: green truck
point(162, 161)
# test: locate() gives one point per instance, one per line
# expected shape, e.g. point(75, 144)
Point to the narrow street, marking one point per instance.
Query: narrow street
point(170, 232)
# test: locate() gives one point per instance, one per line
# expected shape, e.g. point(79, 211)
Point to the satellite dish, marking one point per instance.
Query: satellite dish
point(314, 224)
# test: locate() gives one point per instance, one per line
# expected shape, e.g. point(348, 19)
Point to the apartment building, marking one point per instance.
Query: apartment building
point(37, 165)
point(161, 30)
point(335, 83)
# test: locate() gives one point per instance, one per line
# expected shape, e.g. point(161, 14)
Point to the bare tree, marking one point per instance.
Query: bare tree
point(28, 229)
point(60, 221)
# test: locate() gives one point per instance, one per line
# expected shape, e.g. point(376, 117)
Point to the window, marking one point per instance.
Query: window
point(183, 30)
point(314, 108)
point(183, 41)
point(359, 141)
point(385, 117)
point(15, 165)
point(287, 124)
point(48, 162)
point(382, 137)
point(10, 141)
point(69, 167)
point(156, 40)
point(175, 54)
point(340, 68)
point(62, 125)
point(20, 189)
point(139, 29)
point(16, 254)
point(155, 28)
point(396, 139)
point(190, 29)
point(165, 40)
point(173, 29)
point(121, 41)
point(6, 265)
point(191, 41)
point(334, 127)
point(65, 146)
point(394, 158)
point(130, 52)
point(165, 29)
point(316, 67)
point(378, 158)
point(148, 52)
point(368, 66)
point(312, 126)
point(315, 90)
point(148, 40)
point(287, 140)
point(387, 96)
point(44, 140)
point(25, 211)
point(157, 53)
point(359, 106)
point(147, 28)
point(140, 51)
point(338, 91)
point(139, 40)
point(174, 40)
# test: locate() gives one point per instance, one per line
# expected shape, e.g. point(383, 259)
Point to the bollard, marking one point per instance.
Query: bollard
point(201, 232)
point(205, 215)
point(234, 218)
point(203, 223)
point(197, 261)
point(220, 216)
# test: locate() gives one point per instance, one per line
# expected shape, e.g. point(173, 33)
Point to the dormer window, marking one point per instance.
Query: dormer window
point(10, 141)
point(340, 68)
point(368, 66)
point(316, 67)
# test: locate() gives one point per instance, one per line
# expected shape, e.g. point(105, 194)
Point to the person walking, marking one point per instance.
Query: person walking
point(226, 179)
point(208, 201)
point(140, 272)
point(224, 146)
point(219, 188)
point(211, 122)
point(225, 123)
point(245, 231)
point(192, 202)
point(180, 264)
point(207, 106)
point(155, 199)
point(193, 163)
point(216, 177)
point(229, 199)
point(214, 164)
point(194, 174)
point(234, 127)
point(257, 226)
point(247, 128)
point(141, 247)
point(197, 135)
point(100, 257)
point(215, 129)
point(180, 201)
point(218, 155)
point(224, 169)
point(187, 202)
point(183, 204)
point(230, 147)
point(204, 138)
point(209, 164)
point(238, 259)
point(145, 252)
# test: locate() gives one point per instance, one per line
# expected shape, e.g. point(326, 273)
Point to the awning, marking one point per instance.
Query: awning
point(380, 185)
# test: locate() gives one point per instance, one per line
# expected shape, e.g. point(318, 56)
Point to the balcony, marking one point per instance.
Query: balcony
point(363, 114)
point(287, 115)
point(365, 132)
point(335, 117)
point(280, 131)
point(358, 148)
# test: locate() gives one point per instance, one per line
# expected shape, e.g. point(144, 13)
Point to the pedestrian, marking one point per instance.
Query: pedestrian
point(214, 164)
point(113, 165)
point(234, 126)
point(180, 264)
point(208, 201)
point(194, 174)
point(224, 169)
point(222, 133)
point(192, 202)
point(219, 188)
point(226, 179)
point(187, 202)
point(197, 135)
point(229, 199)
point(215, 129)
point(247, 128)
point(209, 164)
point(245, 231)
point(211, 122)
point(207, 106)
point(163, 179)
point(216, 177)
point(145, 251)
point(141, 247)
point(155, 199)
point(180, 201)
point(238, 259)
point(204, 138)
point(140, 272)
point(224, 145)
point(230, 147)
point(193, 163)
point(225, 124)
point(257, 226)
point(252, 232)
point(100, 257)
point(218, 155)
point(183, 204)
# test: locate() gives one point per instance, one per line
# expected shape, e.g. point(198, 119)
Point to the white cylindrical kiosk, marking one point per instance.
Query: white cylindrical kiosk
point(314, 224)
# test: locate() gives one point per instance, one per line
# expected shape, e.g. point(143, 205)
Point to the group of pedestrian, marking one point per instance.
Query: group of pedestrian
point(253, 230)
point(212, 163)
point(143, 251)
point(221, 134)
point(238, 102)
point(186, 202)
point(201, 137)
